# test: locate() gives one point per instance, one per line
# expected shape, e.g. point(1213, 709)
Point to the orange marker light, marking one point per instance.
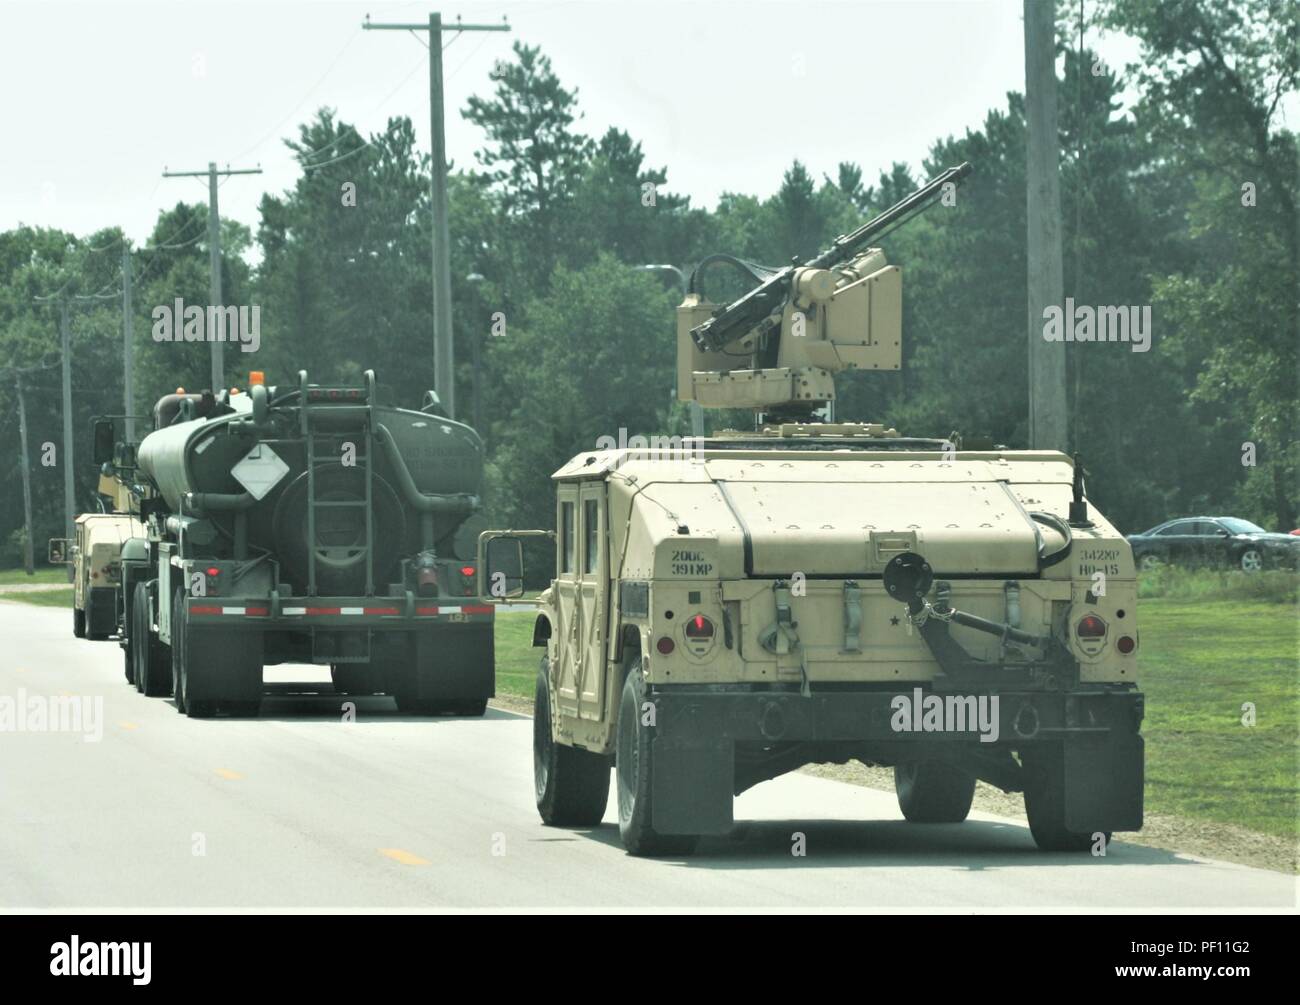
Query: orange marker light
point(256, 377)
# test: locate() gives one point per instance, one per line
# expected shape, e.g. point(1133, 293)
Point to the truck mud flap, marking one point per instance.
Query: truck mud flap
point(455, 663)
point(224, 667)
point(691, 787)
point(101, 612)
point(1104, 779)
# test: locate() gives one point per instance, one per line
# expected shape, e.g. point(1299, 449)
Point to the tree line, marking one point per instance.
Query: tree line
point(1182, 199)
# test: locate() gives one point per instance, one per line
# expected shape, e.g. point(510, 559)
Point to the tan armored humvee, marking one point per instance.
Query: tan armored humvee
point(94, 556)
point(728, 610)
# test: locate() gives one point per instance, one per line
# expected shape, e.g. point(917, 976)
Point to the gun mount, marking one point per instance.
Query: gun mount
point(777, 348)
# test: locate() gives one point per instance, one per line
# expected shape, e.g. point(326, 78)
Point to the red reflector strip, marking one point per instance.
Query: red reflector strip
point(383, 610)
point(206, 610)
point(478, 609)
point(426, 610)
point(323, 610)
point(257, 611)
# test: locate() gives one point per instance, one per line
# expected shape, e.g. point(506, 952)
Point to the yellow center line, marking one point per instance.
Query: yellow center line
point(231, 776)
point(405, 857)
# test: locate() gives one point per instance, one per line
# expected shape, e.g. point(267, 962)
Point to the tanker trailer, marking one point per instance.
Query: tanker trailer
point(308, 524)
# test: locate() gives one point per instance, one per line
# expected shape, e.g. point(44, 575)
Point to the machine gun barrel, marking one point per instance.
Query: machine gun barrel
point(743, 313)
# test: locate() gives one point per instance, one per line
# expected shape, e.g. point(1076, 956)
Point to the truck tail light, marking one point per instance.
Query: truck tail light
point(1126, 644)
point(699, 627)
point(1091, 627)
point(665, 645)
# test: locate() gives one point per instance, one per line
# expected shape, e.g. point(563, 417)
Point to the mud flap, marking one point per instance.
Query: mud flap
point(223, 666)
point(101, 612)
point(691, 787)
point(1104, 778)
point(457, 664)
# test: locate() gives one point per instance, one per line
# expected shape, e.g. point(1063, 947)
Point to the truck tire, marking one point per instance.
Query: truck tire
point(195, 709)
point(1045, 800)
point(633, 768)
point(933, 792)
point(151, 659)
point(78, 623)
point(571, 785)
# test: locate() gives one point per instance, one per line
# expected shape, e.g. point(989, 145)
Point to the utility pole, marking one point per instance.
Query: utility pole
point(444, 362)
point(214, 253)
point(65, 353)
point(1048, 422)
point(128, 347)
point(28, 561)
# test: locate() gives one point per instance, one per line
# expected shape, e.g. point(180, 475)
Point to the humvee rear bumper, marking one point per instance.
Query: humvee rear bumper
point(699, 728)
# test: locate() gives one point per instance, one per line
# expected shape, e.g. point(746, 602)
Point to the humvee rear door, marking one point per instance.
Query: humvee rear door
point(567, 640)
point(593, 579)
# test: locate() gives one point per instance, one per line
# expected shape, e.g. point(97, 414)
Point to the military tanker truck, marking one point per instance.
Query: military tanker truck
point(305, 524)
point(729, 609)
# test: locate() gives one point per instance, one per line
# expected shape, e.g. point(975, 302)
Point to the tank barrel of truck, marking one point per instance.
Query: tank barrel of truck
point(735, 319)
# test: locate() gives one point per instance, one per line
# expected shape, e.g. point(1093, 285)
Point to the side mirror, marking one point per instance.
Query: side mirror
point(504, 568)
point(104, 441)
point(58, 550)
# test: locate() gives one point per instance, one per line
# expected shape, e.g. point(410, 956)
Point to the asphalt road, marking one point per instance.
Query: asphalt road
point(298, 809)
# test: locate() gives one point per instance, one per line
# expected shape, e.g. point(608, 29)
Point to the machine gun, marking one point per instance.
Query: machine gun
point(840, 310)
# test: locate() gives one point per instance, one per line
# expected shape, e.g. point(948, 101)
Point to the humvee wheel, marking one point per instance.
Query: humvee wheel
point(79, 623)
point(1045, 801)
point(571, 785)
point(932, 792)
point(633, 768)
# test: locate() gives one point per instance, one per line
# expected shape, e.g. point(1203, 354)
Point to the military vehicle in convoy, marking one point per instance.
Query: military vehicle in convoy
point(304, 524)
point(729, 609)
point(94, 556)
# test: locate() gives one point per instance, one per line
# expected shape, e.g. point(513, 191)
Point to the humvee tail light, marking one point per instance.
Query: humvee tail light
point(699, 627)
point(1091, 627)
point(1126, 644)
point(256, 377)
point(467, 570)
point(665, 645)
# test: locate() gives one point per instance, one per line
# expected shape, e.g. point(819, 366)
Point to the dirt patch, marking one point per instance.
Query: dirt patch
point(1206, 838)
point(511, 703)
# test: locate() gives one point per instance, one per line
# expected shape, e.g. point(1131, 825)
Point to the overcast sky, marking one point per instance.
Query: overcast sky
point(99, 97)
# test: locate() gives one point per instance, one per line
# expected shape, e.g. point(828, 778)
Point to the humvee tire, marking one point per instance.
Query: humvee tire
point(571, 785)
point(1045, 800)
point(78, 623)
point(932, 792)
point(633, 767)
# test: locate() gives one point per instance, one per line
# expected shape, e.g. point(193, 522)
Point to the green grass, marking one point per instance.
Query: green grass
point(42, 598)
point(517, 660)
point(44, 574)
point(1174, 583)
point(1200, 661)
